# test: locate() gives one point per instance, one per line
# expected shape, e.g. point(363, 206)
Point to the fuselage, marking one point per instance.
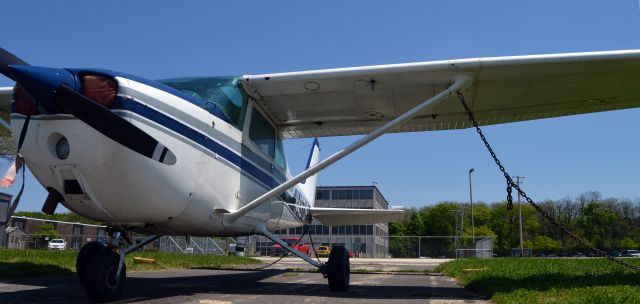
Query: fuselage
point(227, 153)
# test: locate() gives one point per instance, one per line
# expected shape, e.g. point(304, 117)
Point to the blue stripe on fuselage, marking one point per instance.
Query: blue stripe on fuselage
point(197, 137)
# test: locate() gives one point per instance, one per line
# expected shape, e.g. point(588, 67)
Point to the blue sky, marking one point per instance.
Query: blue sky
point(559, 157)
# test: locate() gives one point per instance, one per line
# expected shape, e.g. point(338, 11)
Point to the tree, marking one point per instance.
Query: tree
point(416, 225)
point(482, 231)
point(47, 230)
point(546, 244)
point(44, 233)
point(628, 243)
point(597, 222)
point(398, 245)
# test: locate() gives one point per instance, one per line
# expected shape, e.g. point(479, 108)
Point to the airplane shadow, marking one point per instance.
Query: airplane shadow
point(240, 283)
point(28, 269)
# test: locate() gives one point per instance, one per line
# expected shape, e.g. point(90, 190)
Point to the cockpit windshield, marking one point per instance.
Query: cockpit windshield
point(221, 96)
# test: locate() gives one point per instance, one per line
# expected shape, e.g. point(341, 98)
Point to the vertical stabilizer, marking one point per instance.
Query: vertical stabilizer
point(308, 187)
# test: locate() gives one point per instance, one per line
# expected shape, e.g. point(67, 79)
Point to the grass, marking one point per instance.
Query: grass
point(510, 280)
point(16, 263)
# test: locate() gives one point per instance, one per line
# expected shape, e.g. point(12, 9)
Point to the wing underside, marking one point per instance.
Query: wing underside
point(347, 216)
point(507, 89)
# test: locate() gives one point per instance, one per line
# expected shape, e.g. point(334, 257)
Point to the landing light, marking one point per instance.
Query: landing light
point(62, 148)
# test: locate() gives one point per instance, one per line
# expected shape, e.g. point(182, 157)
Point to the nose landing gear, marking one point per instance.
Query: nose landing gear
point(101, 267)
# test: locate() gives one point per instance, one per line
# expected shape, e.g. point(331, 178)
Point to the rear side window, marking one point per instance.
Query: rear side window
point(262, 133)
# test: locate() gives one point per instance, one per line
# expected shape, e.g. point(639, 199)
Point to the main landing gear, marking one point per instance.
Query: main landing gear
point(336, 270)
point(101, 266)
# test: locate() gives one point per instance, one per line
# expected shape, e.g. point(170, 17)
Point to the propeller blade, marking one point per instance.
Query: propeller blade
point(7, 59)
point(112, 125)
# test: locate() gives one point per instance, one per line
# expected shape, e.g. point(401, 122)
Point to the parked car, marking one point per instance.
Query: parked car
point(59, 244)
point(631, 253)
point(277, 250)
point(323, 251)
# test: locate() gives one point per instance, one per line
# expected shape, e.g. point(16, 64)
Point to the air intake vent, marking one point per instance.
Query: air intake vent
point(71, 186)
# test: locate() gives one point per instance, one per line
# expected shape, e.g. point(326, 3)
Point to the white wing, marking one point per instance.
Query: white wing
point(345, 216)
point(507, 89)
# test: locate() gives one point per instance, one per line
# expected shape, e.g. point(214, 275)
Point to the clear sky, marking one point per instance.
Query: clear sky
point(160, 39)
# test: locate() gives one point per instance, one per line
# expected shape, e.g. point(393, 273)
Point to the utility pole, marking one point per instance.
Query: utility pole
point(518, 178)
point(473, 232)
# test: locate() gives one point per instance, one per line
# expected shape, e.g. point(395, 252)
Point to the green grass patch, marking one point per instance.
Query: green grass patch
point(512, 280)
point(24, 263)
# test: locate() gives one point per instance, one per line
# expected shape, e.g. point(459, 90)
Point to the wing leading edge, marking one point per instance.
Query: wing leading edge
point(353, 101)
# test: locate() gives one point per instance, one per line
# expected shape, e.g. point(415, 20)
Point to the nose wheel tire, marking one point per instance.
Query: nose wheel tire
point(338, 271)
point(87, 252)
point(100, 282)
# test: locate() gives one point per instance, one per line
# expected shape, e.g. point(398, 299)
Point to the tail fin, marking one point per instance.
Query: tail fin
point(308, 187)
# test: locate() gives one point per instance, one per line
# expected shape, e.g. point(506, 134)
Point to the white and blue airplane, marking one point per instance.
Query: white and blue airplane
point(204, 156)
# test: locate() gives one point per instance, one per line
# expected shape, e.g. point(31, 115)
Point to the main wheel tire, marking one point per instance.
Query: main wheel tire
point(87, 252)
point(338, 269)
point(100, 282)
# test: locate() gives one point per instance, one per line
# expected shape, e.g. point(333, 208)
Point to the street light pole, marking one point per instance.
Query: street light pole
point(473, 233)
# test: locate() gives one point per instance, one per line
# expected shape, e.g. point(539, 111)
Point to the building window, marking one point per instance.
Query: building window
point(341, 230)
point(76, 238)
point(369, 229)
point(20, 223)
point(325, 230)
point(323, 194)
point(102, 234)
point(349, 230)
point(334, 194)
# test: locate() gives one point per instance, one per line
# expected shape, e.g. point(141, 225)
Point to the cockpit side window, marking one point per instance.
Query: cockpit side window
point(262, 133)
point(280, 158)
point(220, 96)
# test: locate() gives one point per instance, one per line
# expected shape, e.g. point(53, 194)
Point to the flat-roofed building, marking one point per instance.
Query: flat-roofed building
point(362, 240)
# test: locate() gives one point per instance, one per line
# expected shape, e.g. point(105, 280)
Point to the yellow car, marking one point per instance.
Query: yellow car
point(322, 251)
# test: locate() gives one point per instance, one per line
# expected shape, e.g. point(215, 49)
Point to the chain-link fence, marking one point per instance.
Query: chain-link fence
point(386, 247)
point(206, 245)
point(358, 247)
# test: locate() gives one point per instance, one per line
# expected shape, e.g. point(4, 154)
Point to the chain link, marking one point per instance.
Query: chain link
point(511, 184)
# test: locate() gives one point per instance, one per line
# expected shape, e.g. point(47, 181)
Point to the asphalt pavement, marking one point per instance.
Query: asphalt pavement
point(208, 286)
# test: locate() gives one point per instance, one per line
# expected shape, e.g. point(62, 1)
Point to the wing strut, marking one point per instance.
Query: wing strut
point(460, 82)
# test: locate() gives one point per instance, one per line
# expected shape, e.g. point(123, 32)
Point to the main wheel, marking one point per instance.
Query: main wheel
point(100, 281)
point(338, 269)
point(87, 252)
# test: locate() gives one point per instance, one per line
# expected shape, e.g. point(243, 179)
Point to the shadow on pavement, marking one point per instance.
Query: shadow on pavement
point(148, 287)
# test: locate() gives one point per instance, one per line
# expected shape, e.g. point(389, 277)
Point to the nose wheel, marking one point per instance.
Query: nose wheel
point(102, 280)
point(101, 267)
point(87, 252)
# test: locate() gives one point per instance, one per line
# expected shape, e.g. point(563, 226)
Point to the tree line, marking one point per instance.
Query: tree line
point(610, 224)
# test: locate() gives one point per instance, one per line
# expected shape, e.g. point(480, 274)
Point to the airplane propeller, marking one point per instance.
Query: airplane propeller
point(7, 59)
